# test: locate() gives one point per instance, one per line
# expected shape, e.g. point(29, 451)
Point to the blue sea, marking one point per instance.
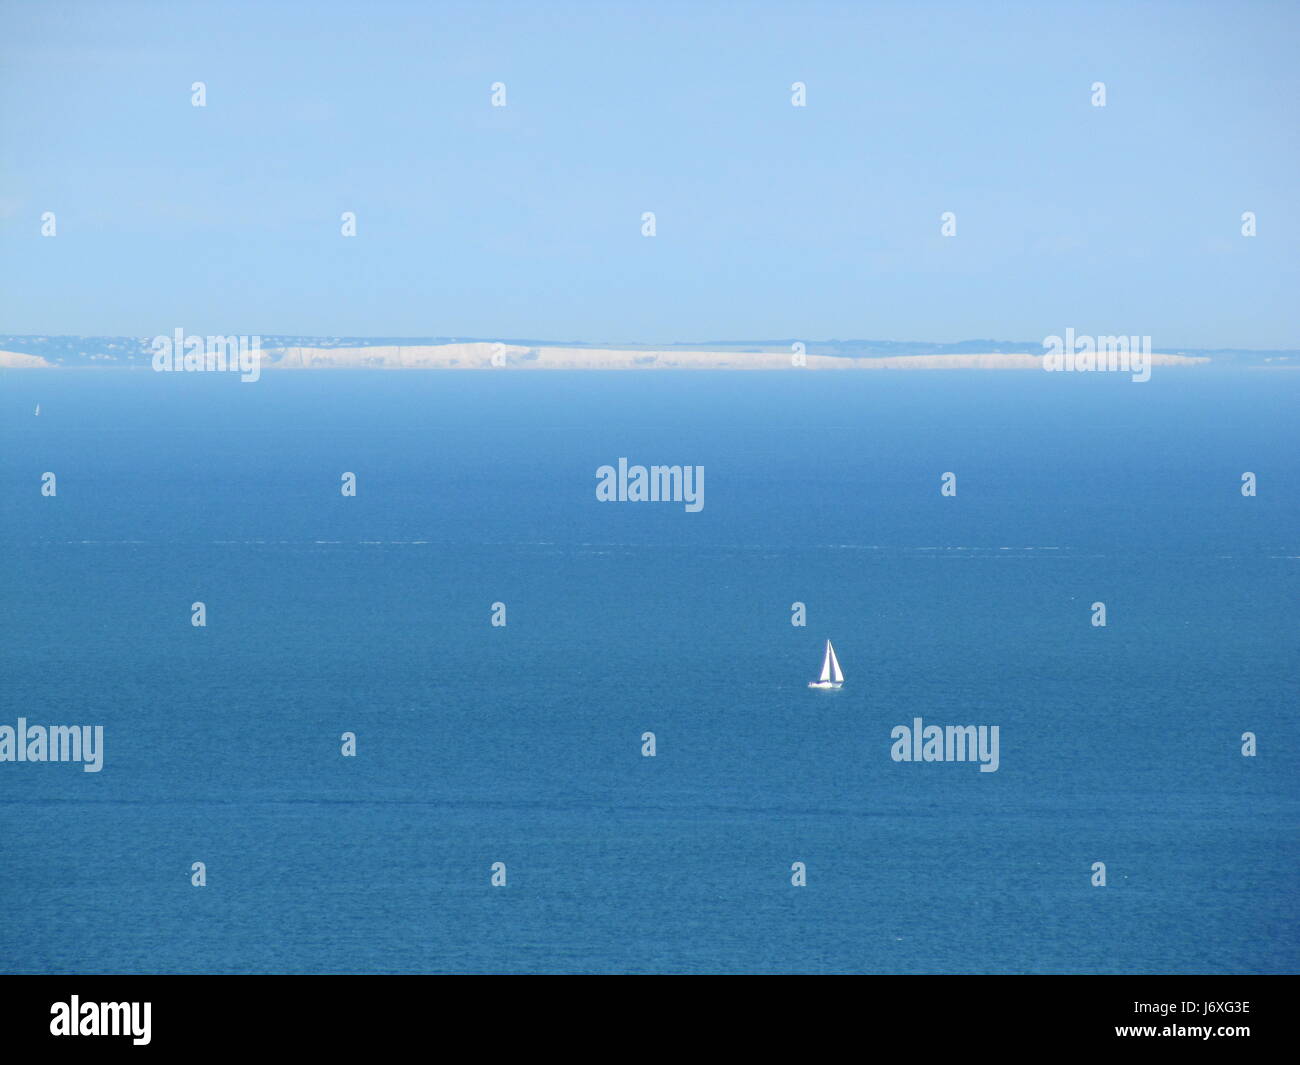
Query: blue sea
point(522, 744)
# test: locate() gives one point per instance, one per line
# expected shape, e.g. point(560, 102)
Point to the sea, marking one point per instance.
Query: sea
point(502, 812)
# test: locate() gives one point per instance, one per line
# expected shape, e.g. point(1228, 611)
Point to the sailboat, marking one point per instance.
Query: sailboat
point(832, 676)
point(38, 410)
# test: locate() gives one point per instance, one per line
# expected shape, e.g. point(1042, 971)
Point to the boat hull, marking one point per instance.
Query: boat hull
point(824, 684)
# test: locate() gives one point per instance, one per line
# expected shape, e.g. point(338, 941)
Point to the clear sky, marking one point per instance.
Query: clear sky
point(772, 221)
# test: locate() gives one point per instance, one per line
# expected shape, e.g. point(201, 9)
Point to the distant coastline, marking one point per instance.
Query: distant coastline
point(125, 353)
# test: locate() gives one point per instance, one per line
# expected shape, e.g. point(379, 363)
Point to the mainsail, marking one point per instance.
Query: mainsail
point(837, 675)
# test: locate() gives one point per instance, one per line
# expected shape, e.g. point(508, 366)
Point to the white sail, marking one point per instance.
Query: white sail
point(837, 675)
point(832, 676)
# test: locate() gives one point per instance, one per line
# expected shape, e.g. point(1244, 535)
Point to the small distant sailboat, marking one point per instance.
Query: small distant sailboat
point(38, 410)
point(832, 676)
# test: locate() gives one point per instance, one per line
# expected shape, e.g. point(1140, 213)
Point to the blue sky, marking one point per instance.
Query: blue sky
point(773, 221)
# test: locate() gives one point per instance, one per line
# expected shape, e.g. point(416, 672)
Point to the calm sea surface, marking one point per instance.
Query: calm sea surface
point(479, 744)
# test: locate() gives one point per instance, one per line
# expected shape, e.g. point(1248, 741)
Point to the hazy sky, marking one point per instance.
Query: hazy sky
point(772, 221)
